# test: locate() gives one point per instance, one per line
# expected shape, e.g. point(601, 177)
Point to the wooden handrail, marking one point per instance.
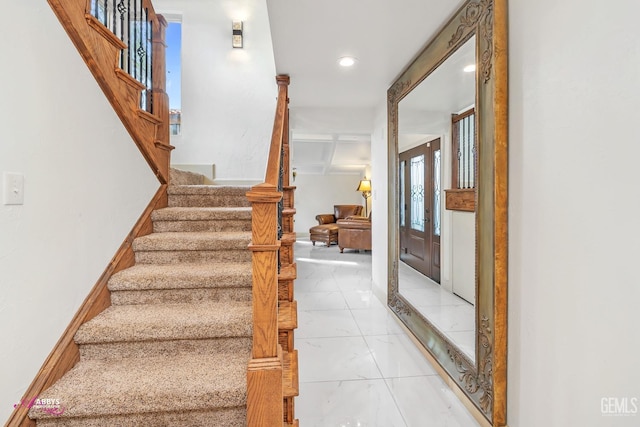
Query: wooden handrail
point(265, 396)
point(273, 165)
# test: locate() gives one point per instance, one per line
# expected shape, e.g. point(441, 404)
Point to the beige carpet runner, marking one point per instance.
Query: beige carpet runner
point(173, 348)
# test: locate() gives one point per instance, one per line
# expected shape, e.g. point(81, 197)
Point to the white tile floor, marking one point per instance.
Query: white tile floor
point(451, 314)
point(357, 366)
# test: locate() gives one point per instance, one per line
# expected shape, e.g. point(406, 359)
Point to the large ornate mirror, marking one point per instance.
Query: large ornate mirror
point(448, 213)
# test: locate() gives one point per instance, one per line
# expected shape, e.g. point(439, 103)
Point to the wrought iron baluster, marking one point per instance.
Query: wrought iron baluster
point(122, 9)
point(466, 152)
point(136, 41)
point(131, 22)
point(114, 21)
point(150, 56)
point(281, 202)
point(128, 40)
point(463, 142)
point(463, 136)
point(472, 160)
point(142, 56)
point(459, 155)
point(147, 30)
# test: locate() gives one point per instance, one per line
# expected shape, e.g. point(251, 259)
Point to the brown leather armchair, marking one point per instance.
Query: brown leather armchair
point(327, 229)
point(354, 233)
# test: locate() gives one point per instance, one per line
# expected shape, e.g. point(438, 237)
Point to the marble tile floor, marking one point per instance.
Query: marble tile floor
point(358, 368)
point(451, 314)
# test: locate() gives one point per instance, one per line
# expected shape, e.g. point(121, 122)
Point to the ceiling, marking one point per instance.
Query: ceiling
point(424, 112)
point(333, 108)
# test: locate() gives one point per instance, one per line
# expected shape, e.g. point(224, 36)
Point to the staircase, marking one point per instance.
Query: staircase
point(192, 322)
point(173, 348)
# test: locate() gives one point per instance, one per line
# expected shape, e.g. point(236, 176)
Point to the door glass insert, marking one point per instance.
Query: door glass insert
point(402, 193)
point(417, 192)
point(436, 192)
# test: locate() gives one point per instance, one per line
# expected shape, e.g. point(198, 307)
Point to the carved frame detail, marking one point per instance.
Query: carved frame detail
point(482, 381)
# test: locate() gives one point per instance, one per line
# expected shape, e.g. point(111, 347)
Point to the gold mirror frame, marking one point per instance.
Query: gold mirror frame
point(484, 381)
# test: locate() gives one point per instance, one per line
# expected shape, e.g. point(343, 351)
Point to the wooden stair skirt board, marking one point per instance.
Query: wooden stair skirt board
point(174, 346)
point(100, 50)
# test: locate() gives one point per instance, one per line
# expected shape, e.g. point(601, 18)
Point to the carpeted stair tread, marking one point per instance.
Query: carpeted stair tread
point(148, 322)
point(222, 190)
point(207, 195)
point(197, 219)
point(193, 241)
point(173, 348)
point(201, 214)
point(182, 177)
point(154, 384)
point(227, 417)
point(182, 276)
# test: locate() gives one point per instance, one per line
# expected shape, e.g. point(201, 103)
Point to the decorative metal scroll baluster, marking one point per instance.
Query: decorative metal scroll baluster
point(133, 41)
point(124, 30)
point(148, 61)
point(129, 21)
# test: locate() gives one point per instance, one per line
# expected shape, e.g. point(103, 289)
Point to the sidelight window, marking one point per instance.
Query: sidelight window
point(464, 149)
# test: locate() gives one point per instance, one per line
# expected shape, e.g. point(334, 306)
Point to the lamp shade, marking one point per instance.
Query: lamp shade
point(365, 185)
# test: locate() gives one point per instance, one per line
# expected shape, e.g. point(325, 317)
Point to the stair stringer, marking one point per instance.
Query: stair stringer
point(100, 50)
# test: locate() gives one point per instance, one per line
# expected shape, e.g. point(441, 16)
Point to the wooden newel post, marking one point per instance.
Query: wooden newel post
point(264, 199)
point(264, 374)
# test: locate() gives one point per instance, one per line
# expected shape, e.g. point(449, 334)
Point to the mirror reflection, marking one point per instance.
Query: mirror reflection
point(436, 146)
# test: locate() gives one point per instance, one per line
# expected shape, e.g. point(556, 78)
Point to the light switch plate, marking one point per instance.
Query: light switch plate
point(13, 188)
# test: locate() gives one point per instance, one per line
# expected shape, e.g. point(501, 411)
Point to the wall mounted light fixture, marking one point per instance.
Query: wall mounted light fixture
point(237, 36)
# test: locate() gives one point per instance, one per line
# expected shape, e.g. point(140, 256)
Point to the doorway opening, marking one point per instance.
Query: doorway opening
point(420, 208)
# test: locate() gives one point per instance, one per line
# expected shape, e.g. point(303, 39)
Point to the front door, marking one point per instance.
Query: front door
point(420, 208)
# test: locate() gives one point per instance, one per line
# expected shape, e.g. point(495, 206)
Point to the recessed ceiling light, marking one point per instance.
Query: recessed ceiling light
point(469, 68)
point(347, 61)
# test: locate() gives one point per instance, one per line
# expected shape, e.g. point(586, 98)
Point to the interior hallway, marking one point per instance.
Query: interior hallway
point(357, 365)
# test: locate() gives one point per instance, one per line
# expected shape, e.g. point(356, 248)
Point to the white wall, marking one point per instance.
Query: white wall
point(316, 194)
point(463, 255)
point(379, 202)
point(573, 211)
point(228, 95)
point(85, 186)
